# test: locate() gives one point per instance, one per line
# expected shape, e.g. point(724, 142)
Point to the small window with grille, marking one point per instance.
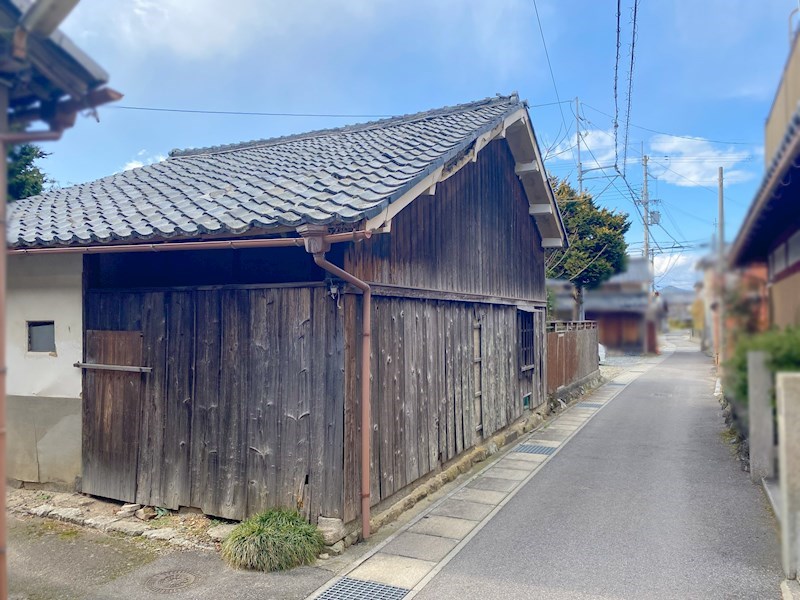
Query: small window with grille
point(527, 340)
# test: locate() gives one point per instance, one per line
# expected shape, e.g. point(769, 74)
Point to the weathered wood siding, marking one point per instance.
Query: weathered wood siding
point(444, 375)
point(244, 407)
point(572, 353)
point(473, 236)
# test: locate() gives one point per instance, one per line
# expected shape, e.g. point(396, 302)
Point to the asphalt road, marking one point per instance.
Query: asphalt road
point(646, 501)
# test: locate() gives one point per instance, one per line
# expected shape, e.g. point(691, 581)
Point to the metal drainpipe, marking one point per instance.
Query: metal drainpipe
point(366, 428)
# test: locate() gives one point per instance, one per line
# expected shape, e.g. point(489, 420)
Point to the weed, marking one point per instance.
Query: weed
point(275, 540)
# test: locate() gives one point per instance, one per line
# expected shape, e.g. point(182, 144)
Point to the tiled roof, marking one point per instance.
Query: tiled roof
point(324, 177)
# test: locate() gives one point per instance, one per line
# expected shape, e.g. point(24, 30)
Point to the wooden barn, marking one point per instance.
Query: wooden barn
point(218, 351)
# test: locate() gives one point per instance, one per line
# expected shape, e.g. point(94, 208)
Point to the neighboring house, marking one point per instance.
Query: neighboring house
point(219, 353)
point(621, 307)
point(679, 304)
point(770, 234)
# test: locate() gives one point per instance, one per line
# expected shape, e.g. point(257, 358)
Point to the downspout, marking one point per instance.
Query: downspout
point(317, 245)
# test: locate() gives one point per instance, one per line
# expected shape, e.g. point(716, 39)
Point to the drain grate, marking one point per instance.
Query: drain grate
point(588, 405)
point(356, 589)
point(534, 449)
point(170, 582)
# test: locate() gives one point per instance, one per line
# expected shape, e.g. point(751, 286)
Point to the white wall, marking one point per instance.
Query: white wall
point(45, 288)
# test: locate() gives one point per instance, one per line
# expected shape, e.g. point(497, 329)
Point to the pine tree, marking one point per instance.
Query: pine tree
point(597, 248)
point(25, 178)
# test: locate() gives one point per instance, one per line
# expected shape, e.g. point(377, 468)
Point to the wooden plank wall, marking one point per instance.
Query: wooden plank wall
point(474, 236)
point(244, 407)
point(423, 387)
point(111, 414)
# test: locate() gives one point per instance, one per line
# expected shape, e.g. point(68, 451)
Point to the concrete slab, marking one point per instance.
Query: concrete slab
point(512, 463)
point(550, 435)
point(502, 473)
point(391, 569)
point(462, 509)
point(447, 527)
point(493, 483)
point(534, 459)
point(482, 496)
point(421, 546)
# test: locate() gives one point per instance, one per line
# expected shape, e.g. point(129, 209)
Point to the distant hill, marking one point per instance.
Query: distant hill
point(676, 293)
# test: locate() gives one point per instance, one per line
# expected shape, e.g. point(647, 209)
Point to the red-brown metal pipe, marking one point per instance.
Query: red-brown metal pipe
point(366, 423)
point(352, 236)
point(4, 92)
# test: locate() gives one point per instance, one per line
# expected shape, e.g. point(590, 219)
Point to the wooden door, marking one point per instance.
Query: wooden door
point(112, 405)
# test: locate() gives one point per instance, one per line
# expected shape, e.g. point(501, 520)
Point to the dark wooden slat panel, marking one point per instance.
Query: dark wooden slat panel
point(175, 486)
point(111, 412)
point(151, 468)
point(474, 236)
point(205, 416)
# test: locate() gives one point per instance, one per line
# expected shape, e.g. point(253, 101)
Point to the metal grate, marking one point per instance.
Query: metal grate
point(534, 449)
point(356, 589)
point(588, 405)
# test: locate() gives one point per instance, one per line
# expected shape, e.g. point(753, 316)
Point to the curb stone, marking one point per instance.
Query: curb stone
point(790, 589)
point(113, 524)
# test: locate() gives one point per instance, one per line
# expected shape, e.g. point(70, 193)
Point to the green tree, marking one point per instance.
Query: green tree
point(25, 178)
point(597, 248)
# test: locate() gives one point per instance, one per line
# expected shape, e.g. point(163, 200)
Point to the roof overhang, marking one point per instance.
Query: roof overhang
point(774, 208)
point(529, 167)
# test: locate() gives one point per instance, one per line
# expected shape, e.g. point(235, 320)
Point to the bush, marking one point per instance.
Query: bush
point(275, 540)
point(783, 347)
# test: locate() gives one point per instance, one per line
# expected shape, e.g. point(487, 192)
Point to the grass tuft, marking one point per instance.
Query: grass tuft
point(275, 540)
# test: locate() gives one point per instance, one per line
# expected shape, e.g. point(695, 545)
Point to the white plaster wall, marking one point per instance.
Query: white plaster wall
point(45, 288)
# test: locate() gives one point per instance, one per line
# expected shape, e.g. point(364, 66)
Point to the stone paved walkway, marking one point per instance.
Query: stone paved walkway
point(405, 562)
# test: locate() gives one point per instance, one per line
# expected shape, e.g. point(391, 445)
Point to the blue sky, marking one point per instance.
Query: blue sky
point(703, 69)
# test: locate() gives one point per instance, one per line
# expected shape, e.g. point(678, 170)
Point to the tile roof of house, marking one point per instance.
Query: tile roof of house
point(324, 177)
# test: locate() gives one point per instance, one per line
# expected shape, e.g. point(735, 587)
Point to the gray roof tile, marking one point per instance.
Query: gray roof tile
point(323, 177)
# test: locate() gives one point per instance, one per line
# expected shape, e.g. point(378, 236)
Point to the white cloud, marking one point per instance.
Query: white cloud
point(141, 159)
point(695, 162)
point(597, 150)
point(204, 29)
point(675, 269)
point(277, 30)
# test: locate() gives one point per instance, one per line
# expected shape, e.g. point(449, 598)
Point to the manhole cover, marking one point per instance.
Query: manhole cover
point(170, 581)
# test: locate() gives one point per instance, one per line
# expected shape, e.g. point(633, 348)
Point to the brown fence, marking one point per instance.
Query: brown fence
point(571, 353)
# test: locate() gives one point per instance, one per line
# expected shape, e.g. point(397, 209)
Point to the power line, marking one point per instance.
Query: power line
point(630, 85)
point(550, 66)
point(684, 137)
point(244, 113)
point(247, 113)
point(616, 79)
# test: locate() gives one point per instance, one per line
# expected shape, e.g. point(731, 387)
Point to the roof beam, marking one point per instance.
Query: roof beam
point(526, 168)
point(540, 209)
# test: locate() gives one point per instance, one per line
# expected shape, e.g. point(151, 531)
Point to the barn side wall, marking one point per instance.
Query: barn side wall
point(474, 236)
point(244, 407)
point(449, 282)
point(44, 389)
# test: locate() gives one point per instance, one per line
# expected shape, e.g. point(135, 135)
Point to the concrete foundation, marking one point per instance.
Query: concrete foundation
point(44, 439)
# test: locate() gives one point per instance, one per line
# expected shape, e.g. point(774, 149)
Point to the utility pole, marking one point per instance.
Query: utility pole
point(578, 135)
point(646, 209)
point(721, 270)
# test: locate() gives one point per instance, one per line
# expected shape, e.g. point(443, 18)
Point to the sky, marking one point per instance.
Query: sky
point(704, 76)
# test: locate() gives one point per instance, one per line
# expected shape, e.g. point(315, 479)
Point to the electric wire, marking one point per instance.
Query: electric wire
point(630, 85)
point(550, 67)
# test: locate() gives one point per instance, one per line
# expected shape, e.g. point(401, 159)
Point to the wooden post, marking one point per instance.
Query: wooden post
point(788, 385)
point(761, 423)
